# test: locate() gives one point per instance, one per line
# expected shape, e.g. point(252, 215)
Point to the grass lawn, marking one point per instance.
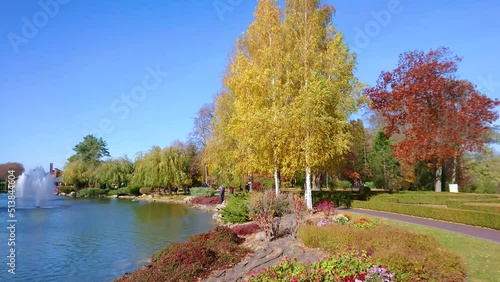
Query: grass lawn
point(481, 257)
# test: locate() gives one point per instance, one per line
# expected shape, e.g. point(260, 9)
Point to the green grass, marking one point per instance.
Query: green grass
point(480, 257)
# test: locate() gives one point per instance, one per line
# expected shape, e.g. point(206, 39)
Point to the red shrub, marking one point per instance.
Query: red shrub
point(193, 260)
point(207, 201)
point(247, 229)
point(257, 186)
point(326, 207)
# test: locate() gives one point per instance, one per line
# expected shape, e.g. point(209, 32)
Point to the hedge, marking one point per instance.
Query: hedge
point(433, 198)
point(202, 192)
point(485, 207)
point(477, 218)
point(339, 198)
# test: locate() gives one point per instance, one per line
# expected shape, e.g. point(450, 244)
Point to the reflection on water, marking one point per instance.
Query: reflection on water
point(94, 240)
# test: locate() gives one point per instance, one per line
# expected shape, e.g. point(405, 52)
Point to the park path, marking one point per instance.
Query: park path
point(474, 231)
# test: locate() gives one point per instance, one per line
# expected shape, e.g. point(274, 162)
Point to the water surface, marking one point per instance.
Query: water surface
point(92, 240)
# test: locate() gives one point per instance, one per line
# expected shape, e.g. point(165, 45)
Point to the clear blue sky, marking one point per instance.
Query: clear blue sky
point(69, 67)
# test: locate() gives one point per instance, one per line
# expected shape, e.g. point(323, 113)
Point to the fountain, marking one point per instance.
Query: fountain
point(35, 189)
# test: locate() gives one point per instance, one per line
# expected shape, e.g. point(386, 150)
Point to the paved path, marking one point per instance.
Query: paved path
point(478, 232)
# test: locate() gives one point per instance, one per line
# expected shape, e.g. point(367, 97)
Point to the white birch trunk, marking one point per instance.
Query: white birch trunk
point(276, 181)
point(308, 193)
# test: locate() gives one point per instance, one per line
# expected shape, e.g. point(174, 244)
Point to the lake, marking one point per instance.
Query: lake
point(73, 239)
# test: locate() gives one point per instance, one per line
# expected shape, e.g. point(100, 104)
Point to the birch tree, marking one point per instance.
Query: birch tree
point(319, 73)
point(255, 79)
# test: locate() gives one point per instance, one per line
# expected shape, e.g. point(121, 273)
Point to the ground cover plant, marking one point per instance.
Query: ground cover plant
point(411, 256)
point(246, 229)
point(192, 260)
point(351, 266)
point(207, 201)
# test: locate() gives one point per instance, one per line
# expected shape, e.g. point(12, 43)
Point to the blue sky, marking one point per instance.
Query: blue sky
point(136, 72)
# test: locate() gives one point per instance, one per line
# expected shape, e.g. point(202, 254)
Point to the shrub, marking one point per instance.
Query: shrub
point(236, 210)
point(343, 184)
point(370, 184)
point(134, 190)
point(297, 208)
point(352, 266)
point(207, 201)
point(202, 192)
point(363, 222)
point(120, 191)
point(145, 190)
point(257, 186)
point(341, 219)
point(268, 184)
point(339, 198)
point(484, 207)
point(364, 193)
point(67, 189)
point(91, 192)
point(326, 207)
point(246, 229)
point(266, 209)
point(192, 260)
point(477, 218)
point(413, 257)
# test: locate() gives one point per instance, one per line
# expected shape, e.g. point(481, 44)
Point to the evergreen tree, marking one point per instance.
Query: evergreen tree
point(385, 167)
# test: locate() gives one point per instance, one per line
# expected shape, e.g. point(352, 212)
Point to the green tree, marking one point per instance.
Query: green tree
point(78, 173)
point(117, 171)
point(90, 150)
point(482, 172)
point(385, 167)
point(162, 168)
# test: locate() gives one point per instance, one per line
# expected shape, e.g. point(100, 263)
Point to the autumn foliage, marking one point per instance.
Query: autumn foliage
point(440, 115)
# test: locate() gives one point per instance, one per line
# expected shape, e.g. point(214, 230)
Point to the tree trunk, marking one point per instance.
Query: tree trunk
point(327, 180)
point(277, 180)
point(308, 193)
point(206, 174)
point(454, 173)
point(439, 172)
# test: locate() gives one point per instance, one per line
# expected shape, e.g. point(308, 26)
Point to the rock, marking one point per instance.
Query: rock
point(260, 236)
point(114, 196)
point(188, 199)
point(62, 194)
point(72, 194)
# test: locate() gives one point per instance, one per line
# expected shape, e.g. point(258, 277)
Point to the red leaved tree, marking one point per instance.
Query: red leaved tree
point(440, 115)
